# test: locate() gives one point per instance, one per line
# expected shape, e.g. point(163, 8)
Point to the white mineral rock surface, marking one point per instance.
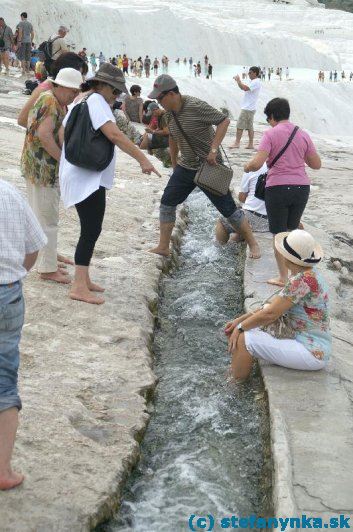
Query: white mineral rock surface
point(85, 371)
point(298, 34)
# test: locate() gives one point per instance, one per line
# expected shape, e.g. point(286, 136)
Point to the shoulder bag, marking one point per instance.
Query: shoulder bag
point(214, 178)
point(281, 328)
point(261, 180)
point(86, 147)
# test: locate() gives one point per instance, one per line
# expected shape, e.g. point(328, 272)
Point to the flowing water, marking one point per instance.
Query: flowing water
point(204, 449)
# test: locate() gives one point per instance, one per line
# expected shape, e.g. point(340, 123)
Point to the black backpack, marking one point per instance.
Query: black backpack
point(86, 147)
point(46, 47)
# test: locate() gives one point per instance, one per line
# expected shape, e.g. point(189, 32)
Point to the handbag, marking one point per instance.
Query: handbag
point(261, 180)
point(213, 178)
point(86, 147)
point(281, 328)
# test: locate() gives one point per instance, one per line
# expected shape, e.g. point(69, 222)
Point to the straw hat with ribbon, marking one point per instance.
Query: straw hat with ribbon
point(299, 247)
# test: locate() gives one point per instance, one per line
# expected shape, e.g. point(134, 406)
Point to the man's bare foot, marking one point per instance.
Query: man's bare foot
point(254, 252)
point(95, 287)
point(57, 277)
point(85, 295)
point(234, 146)
point(62, 270)
point(160, 251)
point(249, 147)
point(13, 479)
point(277, 281)
point(65, 260)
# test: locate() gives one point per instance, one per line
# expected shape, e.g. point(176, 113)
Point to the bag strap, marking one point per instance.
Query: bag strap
point(279, 155)
point(267, 300)
point(186, 137)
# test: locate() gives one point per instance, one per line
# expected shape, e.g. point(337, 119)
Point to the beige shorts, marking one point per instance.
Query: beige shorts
point(246, 120)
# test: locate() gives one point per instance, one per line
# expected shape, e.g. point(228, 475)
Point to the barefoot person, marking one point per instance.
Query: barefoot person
point(254, 210)
point(20, 239)
point(304, 300)
point(248, 107)
point(287, 183)
point(86, 189)
point(196, 118)
point(40, 164)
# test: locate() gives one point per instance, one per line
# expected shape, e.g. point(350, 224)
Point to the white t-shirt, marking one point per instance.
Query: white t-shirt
point(251, 96)
point(76, 183)
point(248, 184)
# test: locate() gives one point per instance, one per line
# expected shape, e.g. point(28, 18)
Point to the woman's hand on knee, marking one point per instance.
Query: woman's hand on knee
point(230, 326)
point(233, 340)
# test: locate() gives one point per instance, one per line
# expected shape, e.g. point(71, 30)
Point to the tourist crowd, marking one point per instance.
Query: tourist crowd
point(69, 153)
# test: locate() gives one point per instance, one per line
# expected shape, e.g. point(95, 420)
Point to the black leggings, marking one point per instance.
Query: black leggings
point(91, 214)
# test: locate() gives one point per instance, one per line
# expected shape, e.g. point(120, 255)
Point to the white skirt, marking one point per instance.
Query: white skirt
point(287, 353)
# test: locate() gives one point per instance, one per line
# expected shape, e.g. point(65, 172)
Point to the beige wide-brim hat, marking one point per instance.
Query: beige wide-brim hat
point(69, 78)
point(111, 75)
point(299, 247)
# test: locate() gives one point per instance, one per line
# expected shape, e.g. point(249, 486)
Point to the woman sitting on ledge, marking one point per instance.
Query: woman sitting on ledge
point(304, 300)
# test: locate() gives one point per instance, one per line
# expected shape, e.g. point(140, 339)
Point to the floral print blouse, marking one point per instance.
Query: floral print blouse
point(37, 165)
point(309, 314)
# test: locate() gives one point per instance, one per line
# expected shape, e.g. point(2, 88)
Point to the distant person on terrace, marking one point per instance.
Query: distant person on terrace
point(248, 107)
point(133, 105)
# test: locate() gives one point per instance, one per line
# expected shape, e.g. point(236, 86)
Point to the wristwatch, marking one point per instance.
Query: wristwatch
point(240, 328)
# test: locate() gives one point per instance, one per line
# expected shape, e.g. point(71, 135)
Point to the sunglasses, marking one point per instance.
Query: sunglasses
point(161, 96)
point(116, 92)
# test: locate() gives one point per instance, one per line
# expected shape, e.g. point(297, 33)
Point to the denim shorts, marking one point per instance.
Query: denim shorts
point(11, 323)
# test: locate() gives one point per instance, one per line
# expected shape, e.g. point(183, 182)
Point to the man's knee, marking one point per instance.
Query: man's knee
point(236, 219)
point(167, 213)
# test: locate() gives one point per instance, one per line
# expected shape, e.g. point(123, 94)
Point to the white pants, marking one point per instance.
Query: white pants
point(45, 204)
point(287, 353)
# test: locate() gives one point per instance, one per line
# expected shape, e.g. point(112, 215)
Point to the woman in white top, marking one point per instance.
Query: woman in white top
point(85, 189)
point(254, 209)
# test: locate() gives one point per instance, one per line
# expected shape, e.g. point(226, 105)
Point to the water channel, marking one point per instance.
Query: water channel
point(205, 450)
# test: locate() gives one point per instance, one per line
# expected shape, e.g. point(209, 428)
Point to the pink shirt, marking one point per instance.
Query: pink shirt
point(290, 168)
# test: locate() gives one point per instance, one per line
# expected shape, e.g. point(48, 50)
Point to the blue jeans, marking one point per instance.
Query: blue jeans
point(11, 322)
point(181, 184)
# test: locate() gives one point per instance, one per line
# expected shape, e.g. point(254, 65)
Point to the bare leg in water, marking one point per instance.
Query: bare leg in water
point(245, 231)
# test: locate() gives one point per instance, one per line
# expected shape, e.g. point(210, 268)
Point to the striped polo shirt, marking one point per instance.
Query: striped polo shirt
point(196, 118)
